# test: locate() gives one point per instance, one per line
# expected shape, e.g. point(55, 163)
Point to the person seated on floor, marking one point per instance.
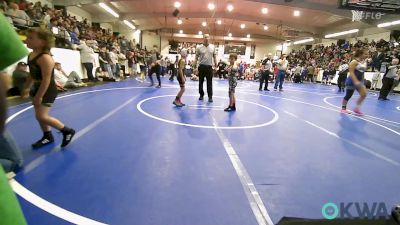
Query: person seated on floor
point(67, 81)
point(19, 77)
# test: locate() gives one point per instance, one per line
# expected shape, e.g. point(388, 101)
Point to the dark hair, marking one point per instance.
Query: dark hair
point(360, 52)
point(233, 55)
point(44, 35)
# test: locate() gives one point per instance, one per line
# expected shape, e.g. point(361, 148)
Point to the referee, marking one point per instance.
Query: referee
point(266, 70)
point(205, 54)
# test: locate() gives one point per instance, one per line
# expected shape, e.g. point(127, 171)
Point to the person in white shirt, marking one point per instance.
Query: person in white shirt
point(87, 58)
point(114, 60)
point(392, 72)
point(67, 81)
point(282, 66)
point(121, 65)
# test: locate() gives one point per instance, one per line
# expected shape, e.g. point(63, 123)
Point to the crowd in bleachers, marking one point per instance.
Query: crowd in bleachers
point(119, 56)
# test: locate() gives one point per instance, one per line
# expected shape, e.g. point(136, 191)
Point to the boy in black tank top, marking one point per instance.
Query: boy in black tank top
point(44, 90)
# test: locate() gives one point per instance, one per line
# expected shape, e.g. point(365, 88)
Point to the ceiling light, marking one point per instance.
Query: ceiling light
point(248, 36)
point(211, 6)
point(181, 31)
point(303, 41)
point(177, 4)
point(108, 9)
point(265, 27)
point(179, 21)
point(264, 10)
point(204, 24)
point(200, 33)
point(230, 35)
point(242, 25)
point(230, 7)
point(341, 33)
point(388, 24)
point(219, 22)
point(296, 13)
point(129, 24)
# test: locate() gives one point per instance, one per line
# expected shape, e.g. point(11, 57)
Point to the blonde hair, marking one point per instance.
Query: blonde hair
point(44, 35)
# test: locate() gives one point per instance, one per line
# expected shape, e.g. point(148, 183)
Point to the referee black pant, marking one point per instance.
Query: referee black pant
point(206, 72)
point(387, 84)
point(264, 78)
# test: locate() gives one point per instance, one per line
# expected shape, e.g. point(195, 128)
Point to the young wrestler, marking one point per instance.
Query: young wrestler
point(355, 81)
point(233, 71)
point(44, 92)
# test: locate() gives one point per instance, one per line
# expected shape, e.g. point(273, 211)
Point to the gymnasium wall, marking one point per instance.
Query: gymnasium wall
point(70, 61)
point(149, 39)
point(79, 13)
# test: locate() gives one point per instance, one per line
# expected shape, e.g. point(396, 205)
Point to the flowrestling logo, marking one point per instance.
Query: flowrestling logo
point(361, 15)
point(353, 210)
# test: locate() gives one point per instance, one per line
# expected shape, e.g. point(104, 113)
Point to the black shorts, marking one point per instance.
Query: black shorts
point(155, 69)
point(181, 81)
point(49, 97)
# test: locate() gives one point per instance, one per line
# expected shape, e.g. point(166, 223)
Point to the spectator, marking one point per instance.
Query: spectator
point(114, 61)
point(282, 66)
point(377, 60)
point(121, 65)
point(310, 70)
point(74, 36)
point(104, 59)
point(19, 17)
point(3, 6)
point(67, 81)
point(10, 156)
point(19, 77)
point(63, 38)
point(23, 5)
point(87, 58)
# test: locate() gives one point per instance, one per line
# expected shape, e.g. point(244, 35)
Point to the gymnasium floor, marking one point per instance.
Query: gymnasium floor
point(137, 160)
